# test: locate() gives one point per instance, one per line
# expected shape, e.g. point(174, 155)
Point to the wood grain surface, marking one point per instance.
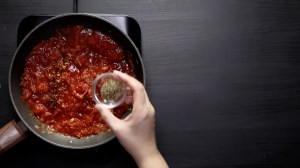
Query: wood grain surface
point(224, 77)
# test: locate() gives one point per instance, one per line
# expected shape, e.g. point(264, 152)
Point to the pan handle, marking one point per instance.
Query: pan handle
point(11, 134)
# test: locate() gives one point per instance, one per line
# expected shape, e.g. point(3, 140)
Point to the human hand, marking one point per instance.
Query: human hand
point(136, 132)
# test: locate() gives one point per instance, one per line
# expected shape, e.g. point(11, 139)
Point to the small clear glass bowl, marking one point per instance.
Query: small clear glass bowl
point(97, 86)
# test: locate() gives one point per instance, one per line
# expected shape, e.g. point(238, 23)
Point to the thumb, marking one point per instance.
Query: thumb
point(107, 116)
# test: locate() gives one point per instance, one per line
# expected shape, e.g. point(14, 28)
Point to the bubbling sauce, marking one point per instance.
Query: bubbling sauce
point(58, 75)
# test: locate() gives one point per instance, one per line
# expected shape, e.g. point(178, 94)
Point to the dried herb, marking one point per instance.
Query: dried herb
point(111, 90)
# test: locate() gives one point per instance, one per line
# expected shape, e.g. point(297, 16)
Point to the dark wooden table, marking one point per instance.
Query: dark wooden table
point(224, 77)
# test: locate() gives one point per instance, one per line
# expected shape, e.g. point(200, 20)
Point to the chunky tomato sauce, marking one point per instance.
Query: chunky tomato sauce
point(58, 75)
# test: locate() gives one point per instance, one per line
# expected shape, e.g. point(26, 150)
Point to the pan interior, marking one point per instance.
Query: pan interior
point(44, 31)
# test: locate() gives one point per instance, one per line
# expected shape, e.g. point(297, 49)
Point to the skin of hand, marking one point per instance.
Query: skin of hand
point(136, 132)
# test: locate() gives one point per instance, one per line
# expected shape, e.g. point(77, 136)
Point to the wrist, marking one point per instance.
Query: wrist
point(152, 158)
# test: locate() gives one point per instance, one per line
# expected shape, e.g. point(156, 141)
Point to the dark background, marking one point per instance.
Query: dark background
point(223, 75)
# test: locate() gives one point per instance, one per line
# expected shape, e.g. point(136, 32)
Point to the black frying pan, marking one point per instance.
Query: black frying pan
point(44, 31)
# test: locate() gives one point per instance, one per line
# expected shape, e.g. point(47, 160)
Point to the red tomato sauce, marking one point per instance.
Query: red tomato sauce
point(58, 75)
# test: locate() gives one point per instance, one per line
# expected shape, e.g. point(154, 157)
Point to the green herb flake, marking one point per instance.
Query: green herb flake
point(111, 90)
